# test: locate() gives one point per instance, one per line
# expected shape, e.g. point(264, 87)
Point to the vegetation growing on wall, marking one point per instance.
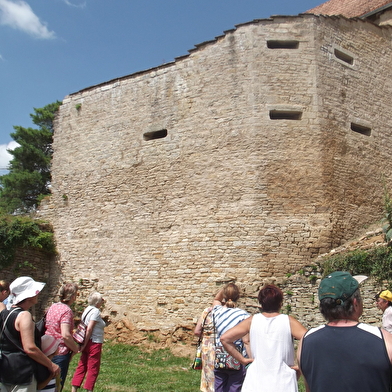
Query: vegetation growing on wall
point(376, 263)
point(18, 232)
point(387, 228)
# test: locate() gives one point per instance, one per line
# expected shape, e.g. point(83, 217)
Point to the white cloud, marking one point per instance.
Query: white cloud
point(19, 15)
point(5, 156)
point(81, 5)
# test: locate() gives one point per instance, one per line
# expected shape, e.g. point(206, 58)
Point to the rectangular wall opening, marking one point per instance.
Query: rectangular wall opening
point(343, 56)
point(361, 129)
point(155, 134)
point(282, 44)
point(285, 115)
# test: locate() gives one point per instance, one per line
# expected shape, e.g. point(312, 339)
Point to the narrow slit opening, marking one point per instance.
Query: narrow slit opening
point(343, 56)
point(155, 134)
point(282, 44)
point(361, 129)
point(285, 115)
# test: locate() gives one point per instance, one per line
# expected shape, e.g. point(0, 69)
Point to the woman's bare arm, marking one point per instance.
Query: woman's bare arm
point(66, 334)
point(25, 325)
point(229, 337)
point(297, 329)
point(198, 328)
point(89, 331)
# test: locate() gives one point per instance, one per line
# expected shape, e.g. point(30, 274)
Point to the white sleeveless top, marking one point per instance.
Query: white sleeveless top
point(272, 348)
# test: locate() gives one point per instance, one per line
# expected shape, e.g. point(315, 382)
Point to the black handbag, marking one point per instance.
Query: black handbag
point(41, 372)
point(41, 325)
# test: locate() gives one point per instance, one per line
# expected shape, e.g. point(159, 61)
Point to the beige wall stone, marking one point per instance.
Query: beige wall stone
point(229, 193)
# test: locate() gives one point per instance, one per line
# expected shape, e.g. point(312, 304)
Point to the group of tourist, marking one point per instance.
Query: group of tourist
point(31, 361)
point(344, 355)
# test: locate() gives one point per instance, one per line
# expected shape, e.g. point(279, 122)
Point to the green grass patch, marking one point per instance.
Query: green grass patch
point(126, 368)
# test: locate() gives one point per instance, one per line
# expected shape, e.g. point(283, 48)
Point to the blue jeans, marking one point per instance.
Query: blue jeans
point(63, 362)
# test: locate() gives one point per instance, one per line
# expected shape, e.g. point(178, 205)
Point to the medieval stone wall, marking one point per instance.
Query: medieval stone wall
point(236, 162)
point(42, 268)
point(354, 121)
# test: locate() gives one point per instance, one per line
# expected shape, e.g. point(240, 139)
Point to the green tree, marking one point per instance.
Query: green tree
point(29, 175)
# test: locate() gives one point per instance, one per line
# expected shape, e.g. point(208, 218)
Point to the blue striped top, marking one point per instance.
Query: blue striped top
point(225, 319)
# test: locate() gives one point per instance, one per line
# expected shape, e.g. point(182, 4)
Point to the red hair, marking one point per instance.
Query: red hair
point(270, 298)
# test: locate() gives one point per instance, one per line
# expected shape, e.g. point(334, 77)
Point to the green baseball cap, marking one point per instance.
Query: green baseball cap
point(339, 285)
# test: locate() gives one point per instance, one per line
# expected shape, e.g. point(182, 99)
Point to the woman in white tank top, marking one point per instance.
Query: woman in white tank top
point(271, 367)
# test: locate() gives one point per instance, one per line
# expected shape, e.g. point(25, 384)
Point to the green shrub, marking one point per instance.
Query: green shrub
point(376, 262)
point(18, 232)
point(387, 228)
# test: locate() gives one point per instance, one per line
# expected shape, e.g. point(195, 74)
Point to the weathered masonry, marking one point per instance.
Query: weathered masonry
point(245, 159)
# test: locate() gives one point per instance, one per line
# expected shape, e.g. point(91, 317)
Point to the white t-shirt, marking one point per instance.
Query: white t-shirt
point(93, 313)
point(387, 319)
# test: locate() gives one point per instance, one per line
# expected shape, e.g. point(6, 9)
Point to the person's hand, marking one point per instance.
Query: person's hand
point(55, 369)
point(297, 371)
point(247, 361)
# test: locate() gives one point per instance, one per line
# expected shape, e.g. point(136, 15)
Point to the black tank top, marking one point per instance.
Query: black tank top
point(346, 359)
point(16, 367)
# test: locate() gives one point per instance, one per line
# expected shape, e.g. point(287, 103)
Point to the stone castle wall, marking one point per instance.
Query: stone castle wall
point(235, 162)
point(42, 268)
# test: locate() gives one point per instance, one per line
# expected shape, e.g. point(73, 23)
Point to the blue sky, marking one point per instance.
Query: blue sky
point(51, 48)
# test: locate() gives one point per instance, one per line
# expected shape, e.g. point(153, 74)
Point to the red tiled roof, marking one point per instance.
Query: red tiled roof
point(348, 8)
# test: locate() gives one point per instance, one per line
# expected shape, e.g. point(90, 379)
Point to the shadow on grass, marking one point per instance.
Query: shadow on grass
point(127, 368)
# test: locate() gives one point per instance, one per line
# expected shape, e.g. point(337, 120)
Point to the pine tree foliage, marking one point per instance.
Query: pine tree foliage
point(29, 175)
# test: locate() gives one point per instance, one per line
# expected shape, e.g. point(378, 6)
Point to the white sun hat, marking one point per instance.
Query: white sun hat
point(49, 344)
point(24, 287)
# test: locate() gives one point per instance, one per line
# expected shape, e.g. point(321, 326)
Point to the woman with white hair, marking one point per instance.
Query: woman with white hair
point(90, 360)
point(20, 341)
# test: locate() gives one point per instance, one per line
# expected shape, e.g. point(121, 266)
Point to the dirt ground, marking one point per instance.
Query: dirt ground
point(181, 343)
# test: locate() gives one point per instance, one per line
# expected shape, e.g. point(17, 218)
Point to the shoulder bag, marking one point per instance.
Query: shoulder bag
point(223, 360)
point(80, 333)
point(41, 325)
point(197, 362)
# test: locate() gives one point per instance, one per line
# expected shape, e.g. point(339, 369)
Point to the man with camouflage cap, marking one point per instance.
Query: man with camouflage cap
point(345, 355)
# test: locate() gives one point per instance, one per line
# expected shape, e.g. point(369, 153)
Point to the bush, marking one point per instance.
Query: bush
point(376, 263)
point(23, 232)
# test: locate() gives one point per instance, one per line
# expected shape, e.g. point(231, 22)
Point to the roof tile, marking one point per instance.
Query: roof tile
point(348, 8)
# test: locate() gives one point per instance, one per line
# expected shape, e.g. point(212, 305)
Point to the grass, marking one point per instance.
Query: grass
point(126, 368)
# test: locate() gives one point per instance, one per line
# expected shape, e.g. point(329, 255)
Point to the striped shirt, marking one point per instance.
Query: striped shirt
point(50, 387)
point(225, 319)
